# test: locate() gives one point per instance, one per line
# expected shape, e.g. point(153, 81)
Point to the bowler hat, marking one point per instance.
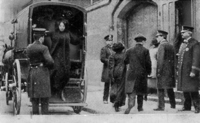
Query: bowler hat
point(162, 32)
point(140, 38)
point(108, 37)
point(187, 28)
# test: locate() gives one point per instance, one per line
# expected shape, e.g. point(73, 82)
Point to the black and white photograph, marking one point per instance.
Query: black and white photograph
point(100, 61)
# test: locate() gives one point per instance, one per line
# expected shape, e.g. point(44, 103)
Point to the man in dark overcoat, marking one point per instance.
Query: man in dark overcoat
point(38, 78)
point(165, 70)
point(188, 69)
point(139, 68)
point(105, 54)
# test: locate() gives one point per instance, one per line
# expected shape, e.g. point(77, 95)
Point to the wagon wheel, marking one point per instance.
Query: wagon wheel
point(17, 89)
point(77, 109)
point(16, 102)
point(6, 85)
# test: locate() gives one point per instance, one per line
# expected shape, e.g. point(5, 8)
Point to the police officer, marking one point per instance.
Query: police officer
point(165, 70)
point(188, 69)
point(39, 79)
point(105, 54)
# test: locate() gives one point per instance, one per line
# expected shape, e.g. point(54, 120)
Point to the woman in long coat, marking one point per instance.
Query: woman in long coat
point(60, 52)
point(118, 72)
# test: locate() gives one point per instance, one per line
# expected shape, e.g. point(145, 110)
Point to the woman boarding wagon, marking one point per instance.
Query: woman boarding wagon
point(39, 78)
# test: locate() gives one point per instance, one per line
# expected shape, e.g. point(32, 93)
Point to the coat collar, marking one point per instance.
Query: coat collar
point(36, 42)
point(163, 41)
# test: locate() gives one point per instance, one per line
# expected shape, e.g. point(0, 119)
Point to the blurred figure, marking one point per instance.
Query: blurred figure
point(139, 68)
point(188, 69)
point(153, 54)
point(152, 77)
point(165, 71)
point(118, 73)
point(105, 54)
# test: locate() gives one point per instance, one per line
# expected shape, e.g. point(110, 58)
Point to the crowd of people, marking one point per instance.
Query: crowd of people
point(128, 70)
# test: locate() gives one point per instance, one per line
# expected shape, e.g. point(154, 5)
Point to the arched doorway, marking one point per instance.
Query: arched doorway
point(140, 17)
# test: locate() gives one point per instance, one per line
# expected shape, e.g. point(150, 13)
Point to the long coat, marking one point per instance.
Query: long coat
point(139, 62)
point(60, 52)
point(38, 77)
point(165, 66)
point(189, 61)
point(118, 72)
point(105, 54)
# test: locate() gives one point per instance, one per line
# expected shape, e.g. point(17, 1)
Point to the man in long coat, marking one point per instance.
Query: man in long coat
point(105, 54)
point(165, 71)
point(139, 68)
point(188, 69)
point(39, 79)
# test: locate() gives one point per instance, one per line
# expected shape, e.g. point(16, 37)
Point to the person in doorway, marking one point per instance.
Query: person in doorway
point(39, 89)
point(118, 73)
point(165, 71)
point(139, 68)
point(152, 77)
point(188, 69)
point(105, 54)
point(60, 52)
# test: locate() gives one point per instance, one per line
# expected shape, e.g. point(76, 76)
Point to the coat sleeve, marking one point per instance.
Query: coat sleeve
point(126, 59)
point(196, 58)
point(160, 59)
point(48, 59)
point(103, 57)
point(148, 63)
point(111, 66)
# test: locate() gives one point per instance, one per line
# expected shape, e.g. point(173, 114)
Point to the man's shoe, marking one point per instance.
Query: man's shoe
point(173, 106)
point(158, 109)
point(127, 111)
point(184, 109)
point(105, 102)
point(117, 109)
point(140, 109)
point(196, 111)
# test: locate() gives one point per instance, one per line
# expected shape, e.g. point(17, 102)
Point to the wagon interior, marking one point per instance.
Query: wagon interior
point(46, 16)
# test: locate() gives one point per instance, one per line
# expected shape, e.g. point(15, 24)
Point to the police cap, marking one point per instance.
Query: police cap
point(161, 32)
point(187, 28)
point(108, 37)
point(39, 31)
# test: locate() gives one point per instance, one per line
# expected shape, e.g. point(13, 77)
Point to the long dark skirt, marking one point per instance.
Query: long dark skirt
point(117, 94)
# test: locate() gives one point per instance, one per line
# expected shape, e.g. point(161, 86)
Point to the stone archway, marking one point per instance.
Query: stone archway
point(137, 17)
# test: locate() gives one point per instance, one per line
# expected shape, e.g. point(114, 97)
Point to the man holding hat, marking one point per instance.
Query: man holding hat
point(139, 68)
point(38, 78)
point(105, 54)
point(188, 69)
point(165, 70)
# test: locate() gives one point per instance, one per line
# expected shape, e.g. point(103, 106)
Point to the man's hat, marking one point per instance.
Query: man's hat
point(108, 37)
point(162, 32)
point(187, 28)
point(140, 38)
point(39, 31)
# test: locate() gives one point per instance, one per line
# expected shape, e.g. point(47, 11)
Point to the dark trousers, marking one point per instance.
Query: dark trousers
point(44, 105)
point(106, 91)
point(131, 100)
point(189, 98)
point(161, 97)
